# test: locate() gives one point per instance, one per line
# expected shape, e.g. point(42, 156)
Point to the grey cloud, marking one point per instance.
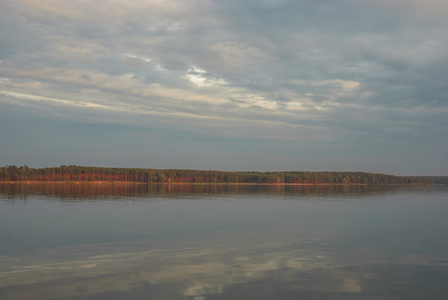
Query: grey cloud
point(330, 73)
point(86, 77)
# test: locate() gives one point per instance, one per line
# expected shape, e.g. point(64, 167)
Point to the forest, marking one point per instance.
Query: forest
point(81, 173)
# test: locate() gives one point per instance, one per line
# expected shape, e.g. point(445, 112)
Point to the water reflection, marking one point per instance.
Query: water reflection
point(223, 271)
point(107, 190)
point(222, 242)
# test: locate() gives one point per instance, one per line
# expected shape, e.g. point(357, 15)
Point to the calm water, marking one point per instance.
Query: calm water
point(130, 241)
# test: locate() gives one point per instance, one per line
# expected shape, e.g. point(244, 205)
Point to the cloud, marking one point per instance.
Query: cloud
point(350, 71)
point(199, 78)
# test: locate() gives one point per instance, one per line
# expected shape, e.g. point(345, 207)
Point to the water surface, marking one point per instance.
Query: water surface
point(136, 241)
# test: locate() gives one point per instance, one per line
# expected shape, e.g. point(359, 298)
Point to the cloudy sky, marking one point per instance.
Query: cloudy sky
point(338, 85)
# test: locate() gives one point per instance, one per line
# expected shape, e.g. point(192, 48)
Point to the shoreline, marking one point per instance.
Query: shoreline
point(189, 183)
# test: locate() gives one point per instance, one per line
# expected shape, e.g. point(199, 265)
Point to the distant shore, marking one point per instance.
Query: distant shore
point(101, 175)
point(184, 183)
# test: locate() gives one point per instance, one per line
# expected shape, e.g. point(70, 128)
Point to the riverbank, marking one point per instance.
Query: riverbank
point(187, 183)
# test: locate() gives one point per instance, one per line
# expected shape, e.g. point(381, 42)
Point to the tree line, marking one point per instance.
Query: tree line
point(81, 173)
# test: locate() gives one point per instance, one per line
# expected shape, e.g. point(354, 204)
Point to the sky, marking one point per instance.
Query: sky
point(321, 85)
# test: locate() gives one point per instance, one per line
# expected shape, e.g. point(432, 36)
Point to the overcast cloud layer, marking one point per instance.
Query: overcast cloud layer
point(230, 85)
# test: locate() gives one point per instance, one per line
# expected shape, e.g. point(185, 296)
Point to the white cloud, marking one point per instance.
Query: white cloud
point(199, 78)
point(293, 105)
point(21, 96)
point(145, 59)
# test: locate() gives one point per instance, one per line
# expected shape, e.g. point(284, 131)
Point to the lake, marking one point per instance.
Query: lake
point(138, 241)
